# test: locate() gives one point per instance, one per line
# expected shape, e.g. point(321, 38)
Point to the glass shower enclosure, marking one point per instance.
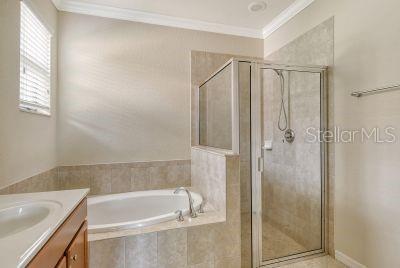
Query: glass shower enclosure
point(272, 115)
point(289, 162)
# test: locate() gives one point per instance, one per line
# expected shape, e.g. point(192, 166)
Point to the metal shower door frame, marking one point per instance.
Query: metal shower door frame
point(257, 160)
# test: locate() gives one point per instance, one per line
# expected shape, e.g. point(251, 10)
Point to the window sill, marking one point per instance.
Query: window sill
point(35, 111)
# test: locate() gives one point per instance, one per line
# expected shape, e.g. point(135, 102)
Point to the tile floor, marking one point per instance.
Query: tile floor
point(320, 262)
point(277, 244)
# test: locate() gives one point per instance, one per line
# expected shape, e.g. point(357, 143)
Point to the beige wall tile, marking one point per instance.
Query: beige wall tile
point(141, 251)
point(246, 239)
point(232, 170)
point(100, 183)
point(158, 177)
point(200, 245)
point(107, 253)
point(22, 187)
point(209, 177)
point(5, 191)
point(71, 178)
point(178, 175)
point(172, 248)
point(140, 179)
point(120, 179)
point(202, 265)
point(46, 181)
point(233, 204)
point(226, 240)
point(232, 262)
point(109, 178)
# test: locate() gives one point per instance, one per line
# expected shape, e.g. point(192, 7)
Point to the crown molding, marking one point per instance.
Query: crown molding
point(285, 16)
point(57, 3)
point(157, 19)
point(153, 18)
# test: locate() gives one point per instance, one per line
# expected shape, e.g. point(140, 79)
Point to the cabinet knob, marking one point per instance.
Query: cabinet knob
point(75, 257)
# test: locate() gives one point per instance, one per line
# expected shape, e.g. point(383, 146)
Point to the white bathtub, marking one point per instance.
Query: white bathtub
point(136, 209)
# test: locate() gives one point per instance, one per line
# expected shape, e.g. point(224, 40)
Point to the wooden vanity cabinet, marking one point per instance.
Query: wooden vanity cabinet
point(77, 251)
point(68, 247)
point(62, 263)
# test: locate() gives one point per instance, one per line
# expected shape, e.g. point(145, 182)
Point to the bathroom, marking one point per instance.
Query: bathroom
point(199, 133)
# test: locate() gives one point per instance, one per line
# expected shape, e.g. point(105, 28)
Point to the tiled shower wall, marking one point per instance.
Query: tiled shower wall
point(299, 195)
point(108, 178)
point(292, 171)
point(203, 64)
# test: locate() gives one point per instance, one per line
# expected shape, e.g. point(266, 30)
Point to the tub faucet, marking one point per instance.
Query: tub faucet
point(193, 213)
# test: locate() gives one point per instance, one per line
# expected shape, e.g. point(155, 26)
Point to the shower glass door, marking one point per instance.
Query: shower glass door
point(288, 107)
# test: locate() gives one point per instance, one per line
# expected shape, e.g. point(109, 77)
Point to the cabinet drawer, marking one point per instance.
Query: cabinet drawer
point(77, 250)
point(62, 263)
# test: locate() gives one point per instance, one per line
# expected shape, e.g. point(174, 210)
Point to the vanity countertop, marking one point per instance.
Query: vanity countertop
point(44, 212)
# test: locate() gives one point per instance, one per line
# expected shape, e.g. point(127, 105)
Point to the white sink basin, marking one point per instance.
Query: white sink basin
point(19, 217)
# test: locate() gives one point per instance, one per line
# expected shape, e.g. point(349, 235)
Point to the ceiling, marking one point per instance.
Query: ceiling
point(223, 16)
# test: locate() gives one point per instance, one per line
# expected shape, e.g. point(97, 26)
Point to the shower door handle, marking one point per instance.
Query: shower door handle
point(260, 164)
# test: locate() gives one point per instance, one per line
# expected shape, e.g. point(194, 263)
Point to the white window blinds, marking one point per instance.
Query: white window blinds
point(35, 47)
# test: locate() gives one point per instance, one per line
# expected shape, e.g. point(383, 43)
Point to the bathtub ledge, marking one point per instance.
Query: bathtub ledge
point(210, 216)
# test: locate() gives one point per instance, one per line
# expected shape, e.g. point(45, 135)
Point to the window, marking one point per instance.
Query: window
point(35, 47)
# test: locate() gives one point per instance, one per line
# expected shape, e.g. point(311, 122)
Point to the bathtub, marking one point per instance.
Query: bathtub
point(136, 209)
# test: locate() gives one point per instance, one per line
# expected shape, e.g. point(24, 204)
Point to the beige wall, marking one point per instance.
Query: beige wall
point(27, 141)
point(367, 185)
point(125, 88)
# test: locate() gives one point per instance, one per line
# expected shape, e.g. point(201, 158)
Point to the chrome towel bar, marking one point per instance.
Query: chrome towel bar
point(374, 91)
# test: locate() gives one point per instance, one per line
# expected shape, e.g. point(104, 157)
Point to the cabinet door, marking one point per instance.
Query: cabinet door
point(55, 248)
point(62, 263)
point(77, 251)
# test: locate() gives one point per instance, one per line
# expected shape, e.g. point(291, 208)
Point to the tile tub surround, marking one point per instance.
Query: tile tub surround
point(44, 182)
point(216, 178)
point(214, 245)
point(108, 178)
point(193, 243)
point(213, 173)
point(126, 177)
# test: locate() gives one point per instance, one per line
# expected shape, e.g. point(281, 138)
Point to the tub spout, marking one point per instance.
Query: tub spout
point(193, 213)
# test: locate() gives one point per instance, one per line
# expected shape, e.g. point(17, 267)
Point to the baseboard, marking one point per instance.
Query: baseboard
point(347, 260)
